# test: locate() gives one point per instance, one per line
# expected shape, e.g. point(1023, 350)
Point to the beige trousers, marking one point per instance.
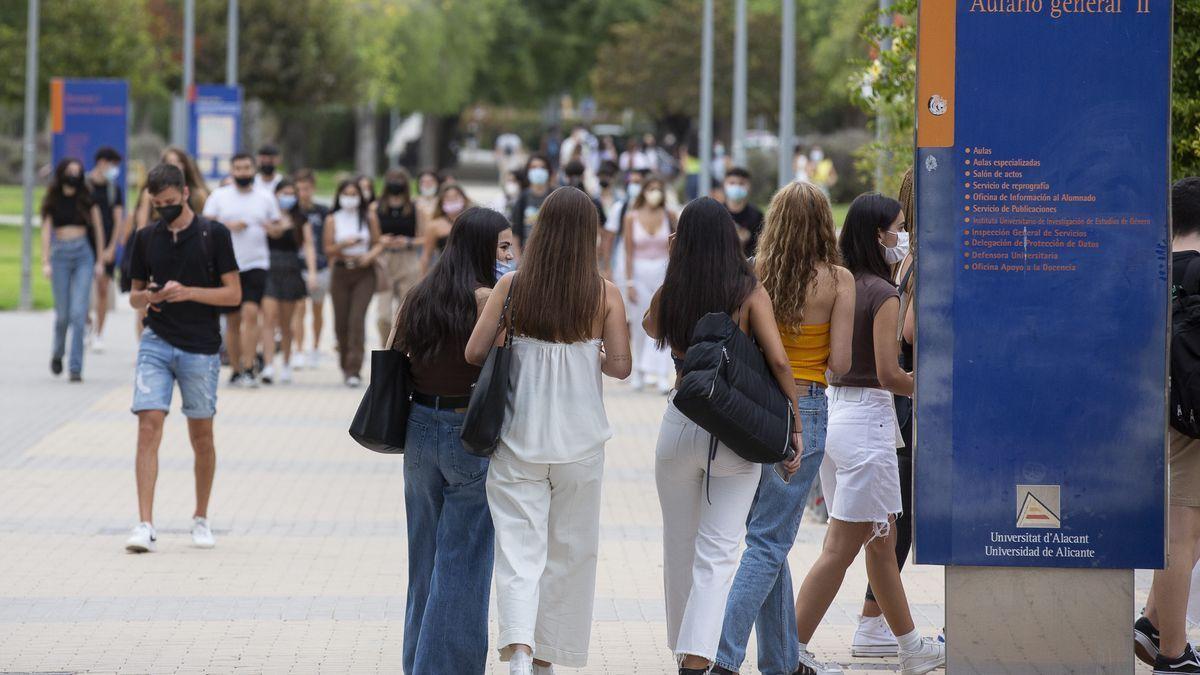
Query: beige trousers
point(402, 270)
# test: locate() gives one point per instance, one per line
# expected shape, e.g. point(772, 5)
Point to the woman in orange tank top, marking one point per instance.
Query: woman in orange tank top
point(813, 299)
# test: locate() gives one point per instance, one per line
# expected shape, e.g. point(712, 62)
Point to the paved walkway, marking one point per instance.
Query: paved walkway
point(309, 571)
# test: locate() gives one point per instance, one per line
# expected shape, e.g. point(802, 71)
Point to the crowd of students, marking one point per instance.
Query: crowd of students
point(582, 283)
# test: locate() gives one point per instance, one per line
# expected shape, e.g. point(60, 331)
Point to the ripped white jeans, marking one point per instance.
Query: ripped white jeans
point(860, 475)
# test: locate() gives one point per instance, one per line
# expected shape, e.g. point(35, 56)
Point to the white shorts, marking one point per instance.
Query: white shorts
point(318, 294)
point(860, 475)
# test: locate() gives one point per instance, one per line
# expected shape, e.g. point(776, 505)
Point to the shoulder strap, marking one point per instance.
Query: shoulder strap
point(506, 316)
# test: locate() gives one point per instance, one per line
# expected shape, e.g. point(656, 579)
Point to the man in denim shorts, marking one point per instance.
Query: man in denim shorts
point(183, 269)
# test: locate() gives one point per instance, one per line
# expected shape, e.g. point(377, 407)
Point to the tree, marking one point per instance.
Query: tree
point(80, 38)
point(887, 88)
point(1185, 98)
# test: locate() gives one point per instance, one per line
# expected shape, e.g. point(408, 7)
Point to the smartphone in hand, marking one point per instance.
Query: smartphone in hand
point(783, 474)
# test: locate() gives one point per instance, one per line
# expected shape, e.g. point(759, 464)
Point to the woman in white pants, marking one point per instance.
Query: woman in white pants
point(543, 484)
point(860, 474)
point(648, 226)
point(705, 501)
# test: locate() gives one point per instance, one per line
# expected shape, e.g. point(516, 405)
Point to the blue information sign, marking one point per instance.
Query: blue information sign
point(1042, 288)
point(86, 115)
point(216, 127)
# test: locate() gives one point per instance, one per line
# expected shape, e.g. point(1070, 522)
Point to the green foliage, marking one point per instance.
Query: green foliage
point(886, 87)
point(652, 65)
point(79, 38)
point(1185, 99)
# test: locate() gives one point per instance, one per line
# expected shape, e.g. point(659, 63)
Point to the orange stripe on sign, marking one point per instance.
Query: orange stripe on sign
point(56, 105)
point(935, 73)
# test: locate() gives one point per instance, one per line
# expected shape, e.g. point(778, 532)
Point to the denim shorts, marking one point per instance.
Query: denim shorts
point(160, 366)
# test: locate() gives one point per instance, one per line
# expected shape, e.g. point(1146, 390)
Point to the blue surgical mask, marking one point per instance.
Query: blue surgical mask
point(111, 173)
point(538, 176)
point(633, 190)
point(736, 193)
point(503, 267)
point(287, 202)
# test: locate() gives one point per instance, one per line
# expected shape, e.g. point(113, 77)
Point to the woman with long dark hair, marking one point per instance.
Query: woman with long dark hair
point(705, 498)
point(450, 533)
point(351, 244)
point(286, 287)
point(813, 298)
point(543, 484)
point(70, 222)
point(873, 637)
point(400, 258)
point(859, 474)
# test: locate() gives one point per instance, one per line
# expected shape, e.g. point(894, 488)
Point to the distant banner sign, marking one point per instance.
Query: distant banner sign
point(86, 115)
point(216, 127)
point(1043, 178)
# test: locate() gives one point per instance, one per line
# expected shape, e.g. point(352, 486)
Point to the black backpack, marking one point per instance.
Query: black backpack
point(1185, 352)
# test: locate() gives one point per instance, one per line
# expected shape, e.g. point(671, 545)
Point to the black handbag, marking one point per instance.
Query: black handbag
point(727, 389)
point(381, 422)
point(489, 395)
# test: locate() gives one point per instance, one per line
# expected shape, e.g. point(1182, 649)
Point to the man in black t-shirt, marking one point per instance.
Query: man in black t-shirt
point(749, 220)
point(183, 269)
point(109, 197)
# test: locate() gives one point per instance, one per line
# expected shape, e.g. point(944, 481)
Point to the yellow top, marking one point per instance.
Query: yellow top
point(808, 351)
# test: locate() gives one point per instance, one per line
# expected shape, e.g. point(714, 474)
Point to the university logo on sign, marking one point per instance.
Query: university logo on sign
point(1038, 506)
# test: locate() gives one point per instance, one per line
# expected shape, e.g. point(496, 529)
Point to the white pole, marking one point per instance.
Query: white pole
point(29, 155)
point(231, 46)
point(787, 93)
point(739, 84)
point(706, 95)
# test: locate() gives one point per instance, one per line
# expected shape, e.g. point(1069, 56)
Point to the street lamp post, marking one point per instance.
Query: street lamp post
point(706, 95)
point(739, 84)
point(787, 92)
point(882, 122)
point(29, 155)
point(231, 45)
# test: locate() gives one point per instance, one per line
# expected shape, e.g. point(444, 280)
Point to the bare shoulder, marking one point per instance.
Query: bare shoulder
point(482, 294)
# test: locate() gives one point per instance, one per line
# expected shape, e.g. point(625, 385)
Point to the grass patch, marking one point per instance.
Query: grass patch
point(10, 270)
point(12, 199)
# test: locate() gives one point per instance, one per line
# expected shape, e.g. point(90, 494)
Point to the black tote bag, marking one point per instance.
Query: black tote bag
point(381, 422)
point(489, 395)
point(727, 389)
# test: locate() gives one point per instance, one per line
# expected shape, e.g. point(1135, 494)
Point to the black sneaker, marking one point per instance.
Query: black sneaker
point(56, 365)
point(235, 378)
point(77, 377)
point(1145, 640)
point(721, 670)
point(1185, 663)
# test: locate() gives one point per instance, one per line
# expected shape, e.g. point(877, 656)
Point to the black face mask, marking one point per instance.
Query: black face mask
point(604, 183)
point(169, 212)
point(267, 169)
point(243, 181)
point(74, 180)
point(396, 188)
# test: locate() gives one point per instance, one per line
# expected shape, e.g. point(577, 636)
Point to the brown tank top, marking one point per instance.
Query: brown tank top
point(870, 292)
point(447, 375)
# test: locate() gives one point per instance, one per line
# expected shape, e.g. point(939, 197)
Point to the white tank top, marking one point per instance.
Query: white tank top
point(555, 412)
point(347, 226)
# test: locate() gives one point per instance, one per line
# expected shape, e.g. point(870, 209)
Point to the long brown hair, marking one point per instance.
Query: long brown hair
point(907, 197)
point(558, 291)
point(796, 241)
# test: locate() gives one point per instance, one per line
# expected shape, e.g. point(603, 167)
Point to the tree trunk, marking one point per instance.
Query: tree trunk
point(367, 144)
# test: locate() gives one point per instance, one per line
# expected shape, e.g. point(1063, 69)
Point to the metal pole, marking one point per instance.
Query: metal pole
point(183, 123)
point(231, 45)
point(706, 95)
point(29, 155)
point(787, 93)
point(739, 84)
point(882, 122)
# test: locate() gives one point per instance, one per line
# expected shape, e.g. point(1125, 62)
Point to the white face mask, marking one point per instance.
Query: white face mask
point(512, 188)
point(654, 197)
point(898, 252)
point(348, 202)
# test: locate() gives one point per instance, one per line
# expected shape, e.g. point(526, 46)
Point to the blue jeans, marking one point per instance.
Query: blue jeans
point(160, 365)
point(762, 590)
point(450, 539)
point(72, 265)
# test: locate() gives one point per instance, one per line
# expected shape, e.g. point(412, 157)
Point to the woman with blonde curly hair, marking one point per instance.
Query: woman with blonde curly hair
point(813, 298)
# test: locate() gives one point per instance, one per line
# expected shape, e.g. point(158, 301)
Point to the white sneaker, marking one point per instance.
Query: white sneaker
point(298, 361)
point(142, 540)
point(665, 385)
point(353, 381)
point(314, 358)
point(520, 664)
point(249, 380)
point(810, 664)
point(874, 638)
point(930, 656)
point(267, 376)
point(202, 536)
point(97, 345)
point(285, 374)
